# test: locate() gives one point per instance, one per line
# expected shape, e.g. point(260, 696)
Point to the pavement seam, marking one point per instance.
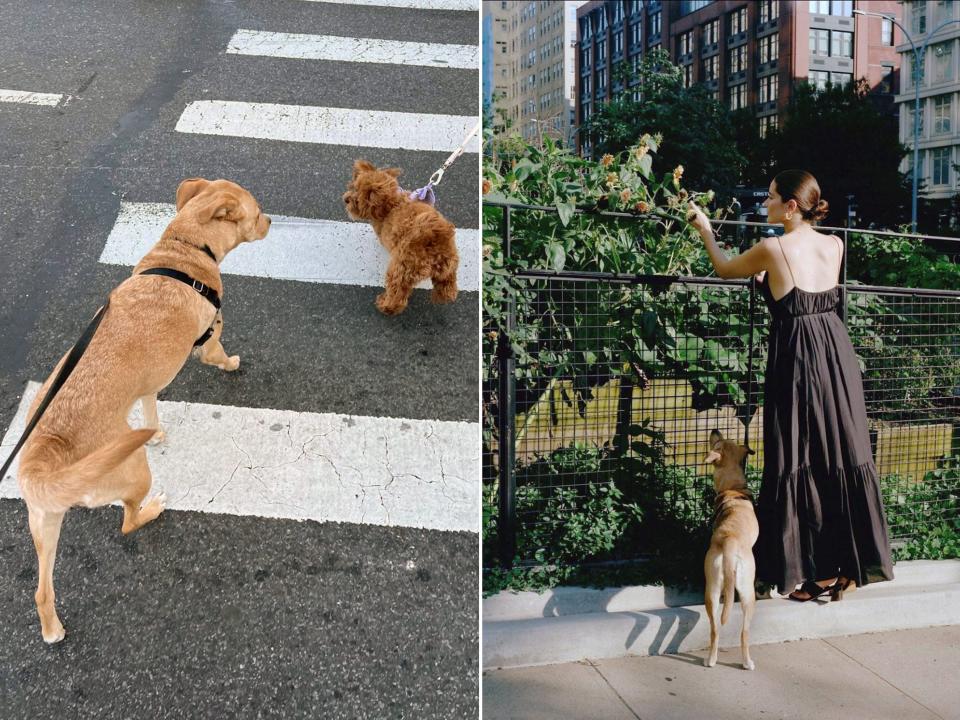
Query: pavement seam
point(876, 674)
point(612, 688)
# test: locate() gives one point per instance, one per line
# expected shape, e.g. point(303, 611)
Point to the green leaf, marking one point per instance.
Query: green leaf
point(556, 256)
point(565, 209)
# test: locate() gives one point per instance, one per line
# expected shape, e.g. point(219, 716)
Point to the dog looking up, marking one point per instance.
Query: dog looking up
point(729, 562)
point(421, 242)
point(82, 451)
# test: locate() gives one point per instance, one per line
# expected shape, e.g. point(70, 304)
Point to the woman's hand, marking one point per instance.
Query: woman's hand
point(699, 219)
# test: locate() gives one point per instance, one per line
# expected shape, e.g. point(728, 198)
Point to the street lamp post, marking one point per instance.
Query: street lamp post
point(918, 59)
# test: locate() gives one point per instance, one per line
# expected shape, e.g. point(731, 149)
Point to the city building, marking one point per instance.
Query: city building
point(939, 142)
point(532, 84)
point(749, 54)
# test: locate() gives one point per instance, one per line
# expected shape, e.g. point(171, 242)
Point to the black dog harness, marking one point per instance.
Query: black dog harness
point(208, 293)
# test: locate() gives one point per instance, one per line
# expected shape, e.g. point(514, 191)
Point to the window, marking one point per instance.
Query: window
point(912, 115)
point(711, 68)
point(769, 10)
point(601, 51)
point(842, 7)
point(618, 43)
point(943, 10)
point(769, 47)
point(819, 42)
point(738, 21)
point(767, 124)
point(711, 32)
point(915, 69)
point(635, 34)
point(820, 7)
point(918, 17)
point(942, 110)
point(688, 75)
point(738, 97)
point(941, 166)
point(655, 23)
point(840, 78)
point(943, 62)
point(841, 44)
point(819, 79)
point(737, 60)
point(617, 12)
point(768, 89)
point(919, 169)
point(886, 80)
point(686, 43)
point(886, 31)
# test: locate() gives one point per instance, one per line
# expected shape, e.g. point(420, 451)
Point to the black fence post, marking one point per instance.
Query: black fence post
point(749, 414)
point(506, 421)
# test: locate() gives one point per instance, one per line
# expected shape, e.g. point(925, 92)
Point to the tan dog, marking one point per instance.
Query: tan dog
point(83, 452)
point(420, 240)
point(729, 562)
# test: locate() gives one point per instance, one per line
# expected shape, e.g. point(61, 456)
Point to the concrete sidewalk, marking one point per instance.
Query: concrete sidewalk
point(899, 675)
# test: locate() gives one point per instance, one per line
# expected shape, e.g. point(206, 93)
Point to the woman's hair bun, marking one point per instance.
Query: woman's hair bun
point(801, 186)
point(820, 211)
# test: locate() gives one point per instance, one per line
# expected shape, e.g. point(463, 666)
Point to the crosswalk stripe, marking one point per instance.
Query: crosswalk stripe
point(329, 126)
point(306, 466)
point(352, 49)
point(29, 98)
point(320, 251)
point(412, 4)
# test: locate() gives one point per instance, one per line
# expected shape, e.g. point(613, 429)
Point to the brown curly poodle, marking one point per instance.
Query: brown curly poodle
point(420, 240)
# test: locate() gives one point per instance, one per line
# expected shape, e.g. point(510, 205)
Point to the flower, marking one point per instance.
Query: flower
point(625, 195)
point(606, 160)
point(486, 186)
point(641, 206)
point(611, 179)
point(678, 173)
point(641, 151)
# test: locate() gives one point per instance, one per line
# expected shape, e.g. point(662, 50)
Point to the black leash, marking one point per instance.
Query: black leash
point(69, 364)
point(76, 352)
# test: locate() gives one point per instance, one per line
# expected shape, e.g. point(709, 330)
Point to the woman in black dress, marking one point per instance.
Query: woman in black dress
point(820, 510)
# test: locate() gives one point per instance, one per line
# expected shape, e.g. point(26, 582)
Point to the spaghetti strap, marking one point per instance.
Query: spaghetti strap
point(786, 261)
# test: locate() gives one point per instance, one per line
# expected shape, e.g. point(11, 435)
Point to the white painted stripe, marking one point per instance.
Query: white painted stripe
point(321, 251)
point(306, 466)
point(29, 98)
point(413, 4)
point(328, 126)
point(350, 49)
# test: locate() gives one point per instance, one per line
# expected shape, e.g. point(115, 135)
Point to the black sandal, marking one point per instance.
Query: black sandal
point(813, 591)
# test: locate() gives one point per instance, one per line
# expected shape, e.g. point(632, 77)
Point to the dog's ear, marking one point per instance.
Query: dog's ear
point(360, 166)
point(396, 172)
point(715, 437)
point(749, 451)
point(189, 189)
point(714, 456)
point(222, 206)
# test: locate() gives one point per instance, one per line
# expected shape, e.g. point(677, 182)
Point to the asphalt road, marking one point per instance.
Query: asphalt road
point(203, 615)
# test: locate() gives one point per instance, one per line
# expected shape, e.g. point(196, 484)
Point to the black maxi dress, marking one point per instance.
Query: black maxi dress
point(820, 508)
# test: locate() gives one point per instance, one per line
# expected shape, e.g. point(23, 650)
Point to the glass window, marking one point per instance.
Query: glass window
point(711, 68)
point(886, 80)
point(944, 10)
point(768, 89)
point(841, 43)
point(769, 10)
point(635, 36)
point(840, 78)
point(942, 111)
point(820, 7)
point(686, 43)
point(655, 23)
point(767, 124)
point(943, 62)
point(711, 32)
point(737, 60)
point(688, 75)
point(601, 51)
point(912, 115)
point(738, 97)
point(769, 47)
point(819, 42)
point(941, 166)
point(738, 21)
point(819, 79)
point(918, 18)
point(886, 31)
point(842, 7)
point(914, 69)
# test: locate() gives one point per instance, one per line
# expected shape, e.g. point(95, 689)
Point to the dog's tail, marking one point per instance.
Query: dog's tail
point(729, 577)
point(62, 485)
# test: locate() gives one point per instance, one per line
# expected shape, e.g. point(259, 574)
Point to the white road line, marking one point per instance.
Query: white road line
point(306, 466)
point(29, 98)
point(351, 49)
point(321, 251)
point(413, 4)
point(328, 126)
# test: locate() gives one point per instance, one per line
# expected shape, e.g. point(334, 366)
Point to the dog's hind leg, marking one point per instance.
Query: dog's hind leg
point(151, 419)
point(137, 481)
point(45, 528)
point(444, 279)
point(713, 570)
point(399, 283)
point(748, 601)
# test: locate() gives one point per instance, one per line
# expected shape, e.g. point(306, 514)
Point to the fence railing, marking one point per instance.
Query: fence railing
point(601, 384)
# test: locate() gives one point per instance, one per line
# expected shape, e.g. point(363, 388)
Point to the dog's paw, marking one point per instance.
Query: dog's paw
point(158, 437)
point(387, 307)
point(232, 363)
point(749, 665)
point(54, 634)
point(709, 661)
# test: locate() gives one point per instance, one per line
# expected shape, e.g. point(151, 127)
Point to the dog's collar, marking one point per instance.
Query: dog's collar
point(205, 248)
point(207, 292)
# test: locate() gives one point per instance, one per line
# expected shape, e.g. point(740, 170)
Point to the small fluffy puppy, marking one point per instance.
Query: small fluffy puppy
point(420, 240)
point(729, 562)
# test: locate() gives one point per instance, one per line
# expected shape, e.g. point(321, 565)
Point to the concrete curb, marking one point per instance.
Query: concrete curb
point(585, 623)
